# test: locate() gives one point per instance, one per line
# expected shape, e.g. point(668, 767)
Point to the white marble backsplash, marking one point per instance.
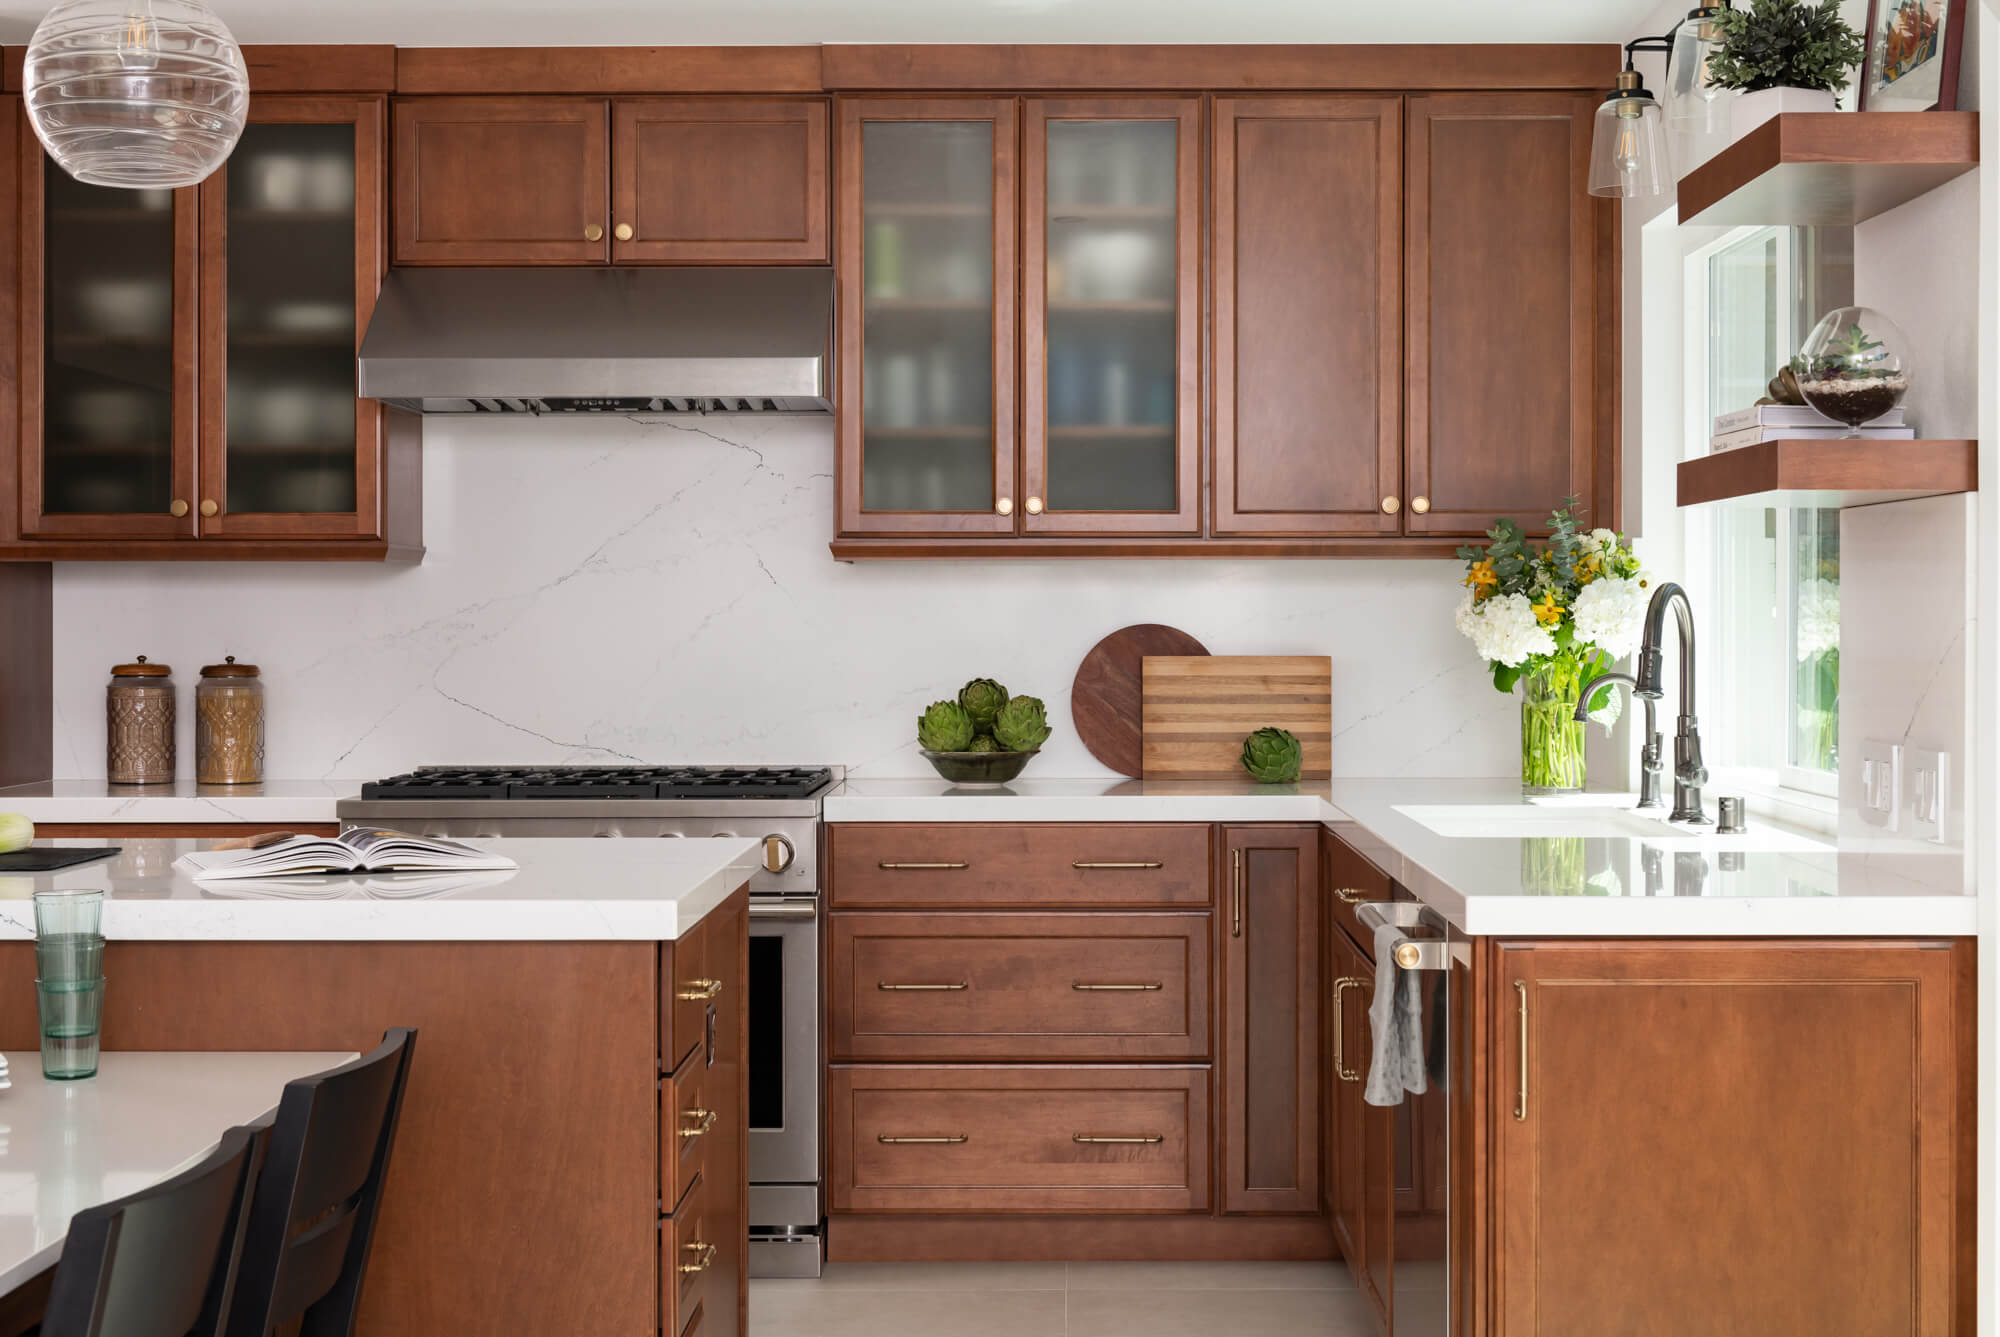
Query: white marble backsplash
point(661, 590)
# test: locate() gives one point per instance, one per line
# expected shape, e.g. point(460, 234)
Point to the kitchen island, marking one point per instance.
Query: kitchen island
point(570, 1156)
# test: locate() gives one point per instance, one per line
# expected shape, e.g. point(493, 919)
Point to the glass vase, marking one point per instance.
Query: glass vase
point(1551, 735)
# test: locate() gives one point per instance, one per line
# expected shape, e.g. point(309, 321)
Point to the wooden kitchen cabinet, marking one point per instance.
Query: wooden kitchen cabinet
point(503, 181)
point(1359, 1139)
point(1269, 1068)
point(1308, 388)
point(719, 181)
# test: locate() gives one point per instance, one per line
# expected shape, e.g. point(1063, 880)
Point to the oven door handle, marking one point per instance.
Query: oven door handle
point(795, 911)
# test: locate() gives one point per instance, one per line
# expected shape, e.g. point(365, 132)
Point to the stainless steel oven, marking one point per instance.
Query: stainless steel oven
point(785, 1208)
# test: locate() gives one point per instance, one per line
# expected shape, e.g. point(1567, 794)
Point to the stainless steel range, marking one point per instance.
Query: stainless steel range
point(779, 806)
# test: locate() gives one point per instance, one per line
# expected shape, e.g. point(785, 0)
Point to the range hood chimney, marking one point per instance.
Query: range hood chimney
point(588, 340)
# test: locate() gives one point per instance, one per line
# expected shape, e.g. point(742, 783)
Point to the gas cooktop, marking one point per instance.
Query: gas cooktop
point(602, 782)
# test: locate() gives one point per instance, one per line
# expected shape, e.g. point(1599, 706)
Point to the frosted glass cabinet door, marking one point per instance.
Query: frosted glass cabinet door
point(1111, 304)
point(927, 265)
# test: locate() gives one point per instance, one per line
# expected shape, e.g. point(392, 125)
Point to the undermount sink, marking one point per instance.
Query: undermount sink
point(1513, 821)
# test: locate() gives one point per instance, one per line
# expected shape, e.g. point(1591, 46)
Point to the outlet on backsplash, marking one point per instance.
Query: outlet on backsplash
point(1928, 789)
point(1881, 783)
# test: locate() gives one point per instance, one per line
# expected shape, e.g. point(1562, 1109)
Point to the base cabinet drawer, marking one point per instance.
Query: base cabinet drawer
point(1027, 987)
point(688, 1253)
point(1351, 879)
point(1062, 865)
point(690, 989)
point(1056, 1139)
point(687, 1126)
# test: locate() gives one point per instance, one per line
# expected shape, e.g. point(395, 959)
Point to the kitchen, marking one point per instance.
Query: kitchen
point(788, 590)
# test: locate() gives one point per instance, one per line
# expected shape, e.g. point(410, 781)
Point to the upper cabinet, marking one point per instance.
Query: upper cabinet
point(610, 181)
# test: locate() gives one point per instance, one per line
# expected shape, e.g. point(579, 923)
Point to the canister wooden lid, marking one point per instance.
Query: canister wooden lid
point(140, 670)
point(229, 669)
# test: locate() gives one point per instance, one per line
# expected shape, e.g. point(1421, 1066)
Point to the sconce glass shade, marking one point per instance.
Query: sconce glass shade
point(1628, 147)
point(1697, 113)
point(144, 94)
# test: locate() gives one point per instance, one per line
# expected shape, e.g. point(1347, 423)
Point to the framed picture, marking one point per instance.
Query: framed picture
point(1912, 60)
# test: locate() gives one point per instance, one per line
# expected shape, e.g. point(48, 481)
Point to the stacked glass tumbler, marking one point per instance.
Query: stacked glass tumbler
point(69, 980)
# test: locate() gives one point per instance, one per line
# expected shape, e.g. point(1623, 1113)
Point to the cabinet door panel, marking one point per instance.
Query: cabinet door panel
point(1731, 1138)
point(927, 317)
point(1270, 1050)
point(1506, 278)
point(496, 181)
point(1111, 310)
point(701, 182)
point(1308, 314)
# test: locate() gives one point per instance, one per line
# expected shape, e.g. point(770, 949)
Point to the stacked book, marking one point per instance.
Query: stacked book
point(1796, 422)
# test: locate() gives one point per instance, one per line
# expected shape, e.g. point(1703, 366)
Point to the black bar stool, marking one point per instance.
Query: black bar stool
point(312, 1213)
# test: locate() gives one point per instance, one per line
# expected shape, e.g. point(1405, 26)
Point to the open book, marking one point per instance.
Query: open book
point(363, 850)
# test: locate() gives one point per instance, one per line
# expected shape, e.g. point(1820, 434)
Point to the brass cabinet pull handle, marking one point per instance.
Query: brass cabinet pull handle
point(623, 232)
point(1340, 1068)
point(593, 232)
point(1089, 1140)
point(1142, 863)
point(1081, 987)
point(706, 1252)
point(1236, 893)
point(1350, 896)
point(177, 508)
point(921, 867)
point(887, 987)
point(699, 991)
point(1521, 1096)
point(888, 1141)
point(703, 1121)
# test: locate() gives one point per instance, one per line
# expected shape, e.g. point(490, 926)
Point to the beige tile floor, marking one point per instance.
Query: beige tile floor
point(1063, 1300)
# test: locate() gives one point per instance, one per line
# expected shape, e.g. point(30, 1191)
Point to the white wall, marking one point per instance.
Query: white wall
point(663, 591)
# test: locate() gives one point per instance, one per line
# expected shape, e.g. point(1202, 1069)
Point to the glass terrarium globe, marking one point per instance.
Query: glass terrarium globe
point(1851, 367)
point(142, 94)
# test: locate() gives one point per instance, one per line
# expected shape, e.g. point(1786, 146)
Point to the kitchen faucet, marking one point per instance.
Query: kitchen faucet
point(1651, 765)
point(1689, 773)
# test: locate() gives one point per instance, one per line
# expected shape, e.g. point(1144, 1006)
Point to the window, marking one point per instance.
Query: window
point(1766, 581)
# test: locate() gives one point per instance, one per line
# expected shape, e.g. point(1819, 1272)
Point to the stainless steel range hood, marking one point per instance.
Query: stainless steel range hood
point(602, 341)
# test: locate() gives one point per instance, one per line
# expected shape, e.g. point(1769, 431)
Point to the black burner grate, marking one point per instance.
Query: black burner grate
point(601, 782)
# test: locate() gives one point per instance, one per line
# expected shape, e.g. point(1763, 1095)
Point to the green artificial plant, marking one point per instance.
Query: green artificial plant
point(1785, 44)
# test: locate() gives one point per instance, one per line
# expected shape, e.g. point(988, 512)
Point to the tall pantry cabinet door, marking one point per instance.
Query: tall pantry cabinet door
point(1510, 303)
point(1308, 238)
point(1270, 1019)
point(502, 181)
point(926, 263)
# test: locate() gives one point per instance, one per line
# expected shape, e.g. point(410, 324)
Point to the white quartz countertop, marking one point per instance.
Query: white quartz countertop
point(1536, 881)
point(564, 891)
point(55, 801)
point(143, 1118)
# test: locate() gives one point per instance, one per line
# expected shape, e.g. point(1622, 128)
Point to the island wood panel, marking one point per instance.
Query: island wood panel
point(1308, 255)
point(1746, 1086)
point(1003, 865)
point(1196, 710)
point(1506, 377)
point(719, 181)
point(502, 180)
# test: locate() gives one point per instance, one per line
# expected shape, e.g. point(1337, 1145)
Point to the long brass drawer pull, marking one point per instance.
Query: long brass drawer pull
point(1521, 1096)
point(888, 1141)
point(887, 987)
point(1085, 863)
point(1089, 1140)
point(1350, 896)
point(921, 867)
point(1081, 987)
point(705, 1252)
point(700, 1121)
point(1236, 893)
point(699, 991)
point(1340, 988)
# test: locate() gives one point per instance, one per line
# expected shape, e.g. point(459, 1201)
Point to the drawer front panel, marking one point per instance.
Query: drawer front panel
point(1030, 987)
point(970, 865)
point(1018, 1139)
point(687, 1258)
point(1350, 880)
point(689, 987)
point(687, 1126)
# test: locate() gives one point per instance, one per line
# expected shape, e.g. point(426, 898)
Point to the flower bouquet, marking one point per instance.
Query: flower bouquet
point(1547, 617)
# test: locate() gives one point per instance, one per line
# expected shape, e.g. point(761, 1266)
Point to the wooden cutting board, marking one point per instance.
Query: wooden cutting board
point(1195, 712)
point(1104, 699)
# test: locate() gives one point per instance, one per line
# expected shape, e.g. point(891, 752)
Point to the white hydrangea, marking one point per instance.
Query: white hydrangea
point(1819, 618)
point(1604, 540)
point(1611, 614)
point(1503, 629)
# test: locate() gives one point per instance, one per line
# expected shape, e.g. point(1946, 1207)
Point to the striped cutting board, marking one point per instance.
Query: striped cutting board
point(1195, 711)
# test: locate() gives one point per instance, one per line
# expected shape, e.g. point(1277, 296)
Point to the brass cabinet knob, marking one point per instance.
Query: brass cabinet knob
point(699, 990)
point(208, 506)
point(1391, 505)
point(1034, 506)
point(593, 232)
point(623, 232)
point(177, 508)
point(1005, 506)
point(1421, 505)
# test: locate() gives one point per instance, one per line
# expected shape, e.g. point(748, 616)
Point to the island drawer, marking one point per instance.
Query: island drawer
point(687, 1121)
point(972, 865)
point(688, 991)
point(1029, 987)
point(688, 1252)
point(996, 1139)
point(1351, 878)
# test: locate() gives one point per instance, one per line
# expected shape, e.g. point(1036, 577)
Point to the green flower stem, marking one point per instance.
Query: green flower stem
point(1551, 736)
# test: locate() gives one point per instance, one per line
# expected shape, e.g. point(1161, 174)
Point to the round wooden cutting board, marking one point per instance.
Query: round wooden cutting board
point(1104, 699)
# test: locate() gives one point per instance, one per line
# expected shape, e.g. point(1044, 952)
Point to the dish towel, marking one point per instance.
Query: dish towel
point(1396, 1027)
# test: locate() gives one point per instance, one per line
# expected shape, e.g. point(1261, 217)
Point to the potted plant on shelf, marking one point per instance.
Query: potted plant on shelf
point(1783, 56)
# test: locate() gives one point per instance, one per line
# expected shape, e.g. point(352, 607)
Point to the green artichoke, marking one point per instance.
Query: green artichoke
point(1022, 725)
point(1273, 756)
point(982, 699)
point(944, 727)
point(983, 743)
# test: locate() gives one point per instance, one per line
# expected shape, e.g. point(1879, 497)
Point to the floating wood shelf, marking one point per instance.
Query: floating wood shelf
point(1830, 169)
point(1831, 474)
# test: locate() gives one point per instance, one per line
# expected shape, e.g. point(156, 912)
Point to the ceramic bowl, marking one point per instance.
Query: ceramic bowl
point(978, 770)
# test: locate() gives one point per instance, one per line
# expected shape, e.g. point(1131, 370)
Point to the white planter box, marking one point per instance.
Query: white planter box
point(1751, 110)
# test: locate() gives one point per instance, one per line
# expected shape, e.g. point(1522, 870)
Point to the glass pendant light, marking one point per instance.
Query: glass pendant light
point(144, 94)
point(1697, 112)
point(1628, 149)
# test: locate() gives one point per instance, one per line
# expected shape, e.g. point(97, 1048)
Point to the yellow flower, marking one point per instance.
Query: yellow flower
point(1548, 612)
point(1481, 578)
